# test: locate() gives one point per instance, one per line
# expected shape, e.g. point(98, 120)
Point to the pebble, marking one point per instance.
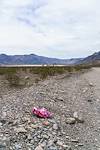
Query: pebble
point(46, 123)
point(78, 117)
point(67, 137)
point(80, 144)
point(39, 147)
point(2, 146)
point(45, 136)
point(60, 143)
point(20, 130)
point(3, 121)
point(52, 148)
point(89, 100)
point(69, 148)
point(34, 126)
point(1, 124)
point(55, 127)
point(18, 146)
point(50, 143)
point(85, 90)
point(29, 137)
point(75, 140)
point(70, 120)
point(43, 144)
point(91, 84)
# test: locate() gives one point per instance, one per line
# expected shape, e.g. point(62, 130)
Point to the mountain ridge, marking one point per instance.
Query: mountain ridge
point(34, 59)
point(92, 59)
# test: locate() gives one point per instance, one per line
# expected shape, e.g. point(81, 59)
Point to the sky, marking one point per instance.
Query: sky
point(53, 28)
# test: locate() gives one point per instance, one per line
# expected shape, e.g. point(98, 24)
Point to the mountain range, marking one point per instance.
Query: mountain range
point(35, 59)
point(92, 59)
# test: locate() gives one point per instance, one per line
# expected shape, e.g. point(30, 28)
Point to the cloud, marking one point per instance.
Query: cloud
point(55, 28)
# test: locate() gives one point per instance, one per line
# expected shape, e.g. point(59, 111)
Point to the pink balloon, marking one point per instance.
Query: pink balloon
point(41, 112)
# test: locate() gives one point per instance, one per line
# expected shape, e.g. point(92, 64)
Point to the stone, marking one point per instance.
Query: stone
point(2, 146)
point(39, 147)
point(80, 144)
point(4, 114)
point(46, 123)
point(50, 143)
point(85, 90)
point(78, 117)
point(70, 120)
point(52, 148)
point(75, 140)
point(60, 143)
point(55, 127)
point(27, 77)
point(91, 84)
point(1, 124)
point(69, 148)
point(35, 139)
point(75, 115)
point(80, 120)
point(29, 137)
point(59, 98)
point(20, 130)
point(34, 126)
point(45, 136)
point(98, 100)
point(43, 144)
point(25, 119)
point(65, 146)
point(67, 137)
point(89, 100)
point(3, 121)
point(18, 146)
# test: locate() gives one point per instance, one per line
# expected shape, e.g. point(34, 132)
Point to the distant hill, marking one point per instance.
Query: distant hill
point(92, 59)
point(33, 59)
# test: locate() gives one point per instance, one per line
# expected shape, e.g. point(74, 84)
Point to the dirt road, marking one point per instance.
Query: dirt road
point(63, 96)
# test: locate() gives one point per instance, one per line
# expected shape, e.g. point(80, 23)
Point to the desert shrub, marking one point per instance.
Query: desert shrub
point(37, 80)
point(45, 71)
point(13, 79)
point(7, 70)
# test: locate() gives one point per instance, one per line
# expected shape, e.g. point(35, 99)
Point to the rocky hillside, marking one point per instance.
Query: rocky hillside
point(33, 59)
point(92, 59)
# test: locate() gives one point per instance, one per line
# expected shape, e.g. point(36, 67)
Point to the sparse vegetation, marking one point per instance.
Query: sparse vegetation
point(43, 72)
point(12, 74)
point(7, 70)
point(13, 79)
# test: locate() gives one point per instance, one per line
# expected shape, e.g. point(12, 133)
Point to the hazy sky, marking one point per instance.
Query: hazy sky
point(54, 28)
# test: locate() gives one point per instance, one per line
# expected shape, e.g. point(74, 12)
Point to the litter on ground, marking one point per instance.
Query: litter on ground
point(41, 112)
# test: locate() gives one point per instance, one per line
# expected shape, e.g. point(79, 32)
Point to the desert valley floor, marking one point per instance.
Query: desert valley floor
point(74, 102)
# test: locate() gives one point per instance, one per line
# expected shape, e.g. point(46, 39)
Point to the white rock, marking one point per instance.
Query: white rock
point(70, 120)
point(90, 84)
point(78, 117)
point(20, 130)
point(39, 147)
point(75, 115)
point(60, 143)
point(55, 127)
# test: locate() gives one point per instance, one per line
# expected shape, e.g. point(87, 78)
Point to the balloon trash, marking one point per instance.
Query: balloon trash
point(42, 112)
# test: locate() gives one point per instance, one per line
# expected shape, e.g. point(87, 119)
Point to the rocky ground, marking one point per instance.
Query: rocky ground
point(74, 102)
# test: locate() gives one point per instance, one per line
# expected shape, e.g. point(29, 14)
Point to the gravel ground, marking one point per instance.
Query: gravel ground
point(74, 102)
